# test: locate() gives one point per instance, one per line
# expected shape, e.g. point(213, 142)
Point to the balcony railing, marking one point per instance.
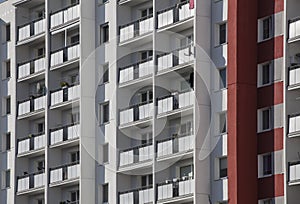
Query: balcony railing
point(175, 101)
point(175, 144)
point(137, 196)
point(136, 112)
point(136, 71)
point(294, 75)
point(65, 15)
point(65, 94)
point(64, 133)
point(136, 28)
point(294, 28)
point(136, 154)
point(31, 105)
point(175, 188)
point(294, 171)
point(65, 172)
point(31, 143)
point(174, 14)
point(31, 181)
point(177, 57)
point(31, 67)
point(33, 28)
point(294, 124)
point(65, 54)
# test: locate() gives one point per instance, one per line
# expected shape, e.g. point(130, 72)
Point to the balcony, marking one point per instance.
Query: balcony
point(31, 68)
point(175, 101)
point(294, 173)
point(64, 174)
point(135, 30)
point(32, 29)
point(179, 188)
point(65, 16)
point(31, 144)
point(31, 182)
point(65, 134)
point(175, 15)
point(64, 95)
point(175, 59)
point(136, 114)
point(294, 77)
point(294, 29)
point(66, 54)
point(136, 72)
point(294, 125)
point(137, 196)
point(136, 155)
point(31, 106)
point(176, 145)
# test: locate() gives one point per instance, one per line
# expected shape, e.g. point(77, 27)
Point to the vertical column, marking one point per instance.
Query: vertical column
point(242, 101)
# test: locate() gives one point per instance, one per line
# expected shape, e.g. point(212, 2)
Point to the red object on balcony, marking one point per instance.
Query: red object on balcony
point(192, 4)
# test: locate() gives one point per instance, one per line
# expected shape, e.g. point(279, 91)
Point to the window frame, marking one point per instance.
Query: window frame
point(221, 84)
point(105, 193)
point(104, 37)
point(6, 179)
point(102, 111)
point(218, 34)
point(105, 155)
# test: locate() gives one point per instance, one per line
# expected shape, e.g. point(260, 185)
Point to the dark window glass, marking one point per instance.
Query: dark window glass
point(8, 32)
point(267, 164)
point(223, 167)
point(266, 28)
point(105, 193)
point(8, 142)
point(266, 74)
point(222, 33)
point(266, 119)
point(223, 78)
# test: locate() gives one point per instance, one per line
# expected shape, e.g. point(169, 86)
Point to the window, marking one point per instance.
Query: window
point(266, 27)
point(188, 40)
point(74, 79)
point(40, 127)
point(223, 78)
point(267, 164)
point(147, 138)
point(6, 179)
point(105, 73)
point(186, 171)
point(147, 180)
point(40, 201)
point(222, 33)
point(222, 123)
point(74, 39)
point(6, 142)
point(40, 14)
point(146, 55)
point(40, 165)
point(146, 12)
point(105, 153)
point(74, 156)
point(104, 33)
point(103, 1)
point(74, 195)
point(40, 52)
point(186, 128)
point(265, 73)
point(146, 96)
point(105, 193)
point(266, 119)
point(7, 105)
point(6, 70)
point(8, 27)
point(75, 118)
point(267, 201)
point(223, 167)
point(104, 113)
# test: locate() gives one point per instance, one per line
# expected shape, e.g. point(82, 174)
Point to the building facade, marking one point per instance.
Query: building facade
point(149, 101)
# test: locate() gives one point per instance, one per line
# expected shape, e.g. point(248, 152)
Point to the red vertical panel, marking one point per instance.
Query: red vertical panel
point(242, 101)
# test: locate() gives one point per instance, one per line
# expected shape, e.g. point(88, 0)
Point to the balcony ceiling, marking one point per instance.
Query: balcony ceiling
point(28, 3)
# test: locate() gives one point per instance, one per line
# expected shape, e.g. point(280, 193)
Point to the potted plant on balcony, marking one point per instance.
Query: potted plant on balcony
point(64, 84)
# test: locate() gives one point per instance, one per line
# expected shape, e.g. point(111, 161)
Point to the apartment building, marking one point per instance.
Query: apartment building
point(149, 101)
